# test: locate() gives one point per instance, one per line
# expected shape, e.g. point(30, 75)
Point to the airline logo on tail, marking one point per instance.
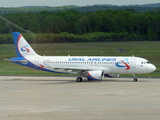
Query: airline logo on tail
point(123, 63)
point(25, 49)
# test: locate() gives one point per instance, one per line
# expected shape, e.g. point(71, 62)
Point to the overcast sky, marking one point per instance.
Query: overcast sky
point(19, 3)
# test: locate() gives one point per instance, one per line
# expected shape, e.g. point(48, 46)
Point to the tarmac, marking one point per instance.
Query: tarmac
point(62, 98)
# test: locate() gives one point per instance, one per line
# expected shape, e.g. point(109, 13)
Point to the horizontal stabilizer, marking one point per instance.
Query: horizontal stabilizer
point(18, 59)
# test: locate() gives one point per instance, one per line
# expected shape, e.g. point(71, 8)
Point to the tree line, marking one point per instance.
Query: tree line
point(74, 26)
point(92, 8)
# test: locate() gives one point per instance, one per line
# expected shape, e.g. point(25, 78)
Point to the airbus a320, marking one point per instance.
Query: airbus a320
point(90, 67)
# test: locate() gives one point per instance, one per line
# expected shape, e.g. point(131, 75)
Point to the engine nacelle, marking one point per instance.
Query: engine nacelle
point(111, 75)
point(95, 75)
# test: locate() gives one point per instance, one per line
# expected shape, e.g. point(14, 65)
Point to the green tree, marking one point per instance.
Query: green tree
point(83, 25)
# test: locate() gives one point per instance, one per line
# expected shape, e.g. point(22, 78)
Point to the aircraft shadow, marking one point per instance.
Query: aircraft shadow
point(73, 81)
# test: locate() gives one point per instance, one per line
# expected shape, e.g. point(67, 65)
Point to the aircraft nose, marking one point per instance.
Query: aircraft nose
point(153, 68)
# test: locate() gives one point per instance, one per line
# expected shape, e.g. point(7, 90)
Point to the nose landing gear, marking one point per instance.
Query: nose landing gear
point(135, 78)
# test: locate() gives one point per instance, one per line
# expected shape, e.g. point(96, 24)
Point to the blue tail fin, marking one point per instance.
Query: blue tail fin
point(22, 47)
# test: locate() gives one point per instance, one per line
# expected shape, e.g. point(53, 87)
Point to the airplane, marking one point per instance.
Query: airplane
point(90, 67)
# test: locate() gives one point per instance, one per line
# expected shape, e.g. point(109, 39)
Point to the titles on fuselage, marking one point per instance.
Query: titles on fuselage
point(93, 59)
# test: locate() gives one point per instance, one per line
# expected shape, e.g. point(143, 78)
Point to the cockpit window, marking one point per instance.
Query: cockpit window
point(148, 62)
point(145, 62)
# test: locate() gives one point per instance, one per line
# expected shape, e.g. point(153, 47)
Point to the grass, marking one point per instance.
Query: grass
point(146, 49)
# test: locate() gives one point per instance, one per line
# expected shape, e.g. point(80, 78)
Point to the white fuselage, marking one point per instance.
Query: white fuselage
point(112, 64)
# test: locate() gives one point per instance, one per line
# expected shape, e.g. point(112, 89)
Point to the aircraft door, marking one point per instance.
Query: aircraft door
point(133, 63)
point(36, 62)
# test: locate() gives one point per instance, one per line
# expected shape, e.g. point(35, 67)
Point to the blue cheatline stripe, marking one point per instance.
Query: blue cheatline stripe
point(31, 65)
point(39, 68)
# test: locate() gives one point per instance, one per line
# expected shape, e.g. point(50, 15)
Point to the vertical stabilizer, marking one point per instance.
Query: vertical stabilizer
point(22, 46)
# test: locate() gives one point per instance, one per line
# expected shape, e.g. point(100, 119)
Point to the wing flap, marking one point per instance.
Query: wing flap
point(67, 68)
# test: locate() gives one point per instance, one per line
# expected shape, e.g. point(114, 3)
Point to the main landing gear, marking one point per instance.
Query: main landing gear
point(79, 79)
point(135, 78)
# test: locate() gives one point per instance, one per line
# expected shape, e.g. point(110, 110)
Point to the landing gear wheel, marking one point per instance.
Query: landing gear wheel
point(135, 80)
point(79, 79)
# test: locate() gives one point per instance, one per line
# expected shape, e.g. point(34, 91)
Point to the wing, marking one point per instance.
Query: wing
point(71, 69)
point(77, 69)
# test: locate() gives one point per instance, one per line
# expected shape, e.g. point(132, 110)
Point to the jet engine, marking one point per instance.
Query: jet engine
point(95, 75)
